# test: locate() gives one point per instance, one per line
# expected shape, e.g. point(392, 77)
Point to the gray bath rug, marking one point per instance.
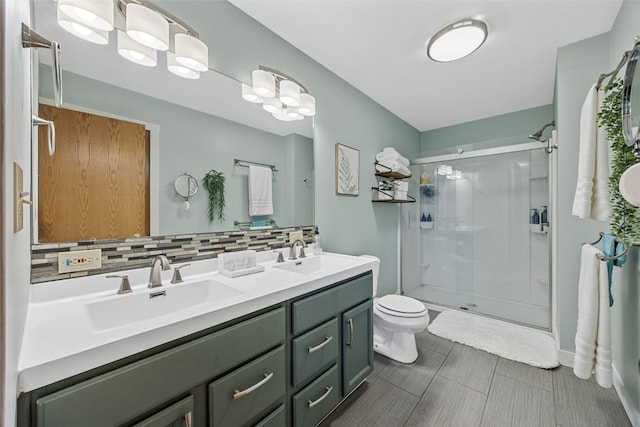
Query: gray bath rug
point(514, 342)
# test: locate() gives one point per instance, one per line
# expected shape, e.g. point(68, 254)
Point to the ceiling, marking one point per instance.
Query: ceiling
point(378, 46)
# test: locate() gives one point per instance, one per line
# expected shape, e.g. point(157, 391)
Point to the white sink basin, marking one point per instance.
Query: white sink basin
point(122, 310)
point(321, 263)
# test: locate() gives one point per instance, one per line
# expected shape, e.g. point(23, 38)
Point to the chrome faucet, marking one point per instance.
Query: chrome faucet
point(292, 251)
point(155, 279)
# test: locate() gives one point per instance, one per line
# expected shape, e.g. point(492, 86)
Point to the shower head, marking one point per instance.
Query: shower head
point(538, 135)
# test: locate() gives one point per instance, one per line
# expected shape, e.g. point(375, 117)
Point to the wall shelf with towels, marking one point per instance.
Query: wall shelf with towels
point(388, 196)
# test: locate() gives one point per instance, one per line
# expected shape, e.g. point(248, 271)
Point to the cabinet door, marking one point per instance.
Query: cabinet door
point(177, 415)
point(357, 346)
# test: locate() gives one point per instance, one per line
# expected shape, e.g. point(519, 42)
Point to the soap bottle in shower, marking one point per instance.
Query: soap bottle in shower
point(543, 215)
point(535, 217)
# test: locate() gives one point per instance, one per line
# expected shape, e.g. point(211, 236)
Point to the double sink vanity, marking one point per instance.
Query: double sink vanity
point(282, 347)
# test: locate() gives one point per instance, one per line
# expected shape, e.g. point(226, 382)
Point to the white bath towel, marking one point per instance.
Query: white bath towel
point(393, 166)
point(593, 335)
point(260, 191)
point(591, 199)
point(384, 156)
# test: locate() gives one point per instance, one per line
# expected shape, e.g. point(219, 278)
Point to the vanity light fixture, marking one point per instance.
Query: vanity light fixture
point(180, 70)
point(81, 30)
point(284, 97)
point(96, 14)
point(457, 40)
point(135, 52)
point(147, 30)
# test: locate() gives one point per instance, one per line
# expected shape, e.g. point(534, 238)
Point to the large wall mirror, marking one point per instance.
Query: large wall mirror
point(183, 126)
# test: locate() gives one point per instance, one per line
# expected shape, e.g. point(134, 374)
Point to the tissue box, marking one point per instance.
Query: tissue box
point(236, 264)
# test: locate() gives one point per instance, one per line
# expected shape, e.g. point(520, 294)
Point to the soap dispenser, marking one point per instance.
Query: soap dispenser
point(543, 215)
point(535, 217)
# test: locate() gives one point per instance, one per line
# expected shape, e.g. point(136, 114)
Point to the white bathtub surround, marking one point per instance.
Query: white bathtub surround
point(591, 199)
point(514, 342)
point(74, 325)
point(593, 335)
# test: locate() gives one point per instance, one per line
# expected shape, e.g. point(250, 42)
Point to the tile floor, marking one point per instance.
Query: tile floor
point(454, 385)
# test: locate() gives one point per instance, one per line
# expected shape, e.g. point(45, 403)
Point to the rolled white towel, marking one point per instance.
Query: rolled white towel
point(392, 166)
point(385, 156)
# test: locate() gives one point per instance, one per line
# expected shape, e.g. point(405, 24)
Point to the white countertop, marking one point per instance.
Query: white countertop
point(60, 339)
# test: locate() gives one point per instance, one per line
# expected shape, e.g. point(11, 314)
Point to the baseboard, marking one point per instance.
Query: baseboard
point(632, 413)
point(566, 358)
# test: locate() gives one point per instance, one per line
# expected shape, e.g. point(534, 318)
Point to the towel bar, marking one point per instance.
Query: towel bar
point(613, 257)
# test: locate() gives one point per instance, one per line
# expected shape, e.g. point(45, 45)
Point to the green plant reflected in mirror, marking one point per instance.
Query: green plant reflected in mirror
point(631, 101)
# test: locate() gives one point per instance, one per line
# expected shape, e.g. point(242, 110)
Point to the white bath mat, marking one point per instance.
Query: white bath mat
point(504, 339)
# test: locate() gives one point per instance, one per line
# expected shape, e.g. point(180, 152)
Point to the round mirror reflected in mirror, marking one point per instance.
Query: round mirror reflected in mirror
point(631, 101)
point(186, 186)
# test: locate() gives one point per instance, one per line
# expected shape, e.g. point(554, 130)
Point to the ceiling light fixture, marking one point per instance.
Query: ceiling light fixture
point(284, 97)
point(457, 40)
point(147, 30)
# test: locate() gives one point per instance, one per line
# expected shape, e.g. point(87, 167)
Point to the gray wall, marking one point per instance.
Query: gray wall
point(352, 225)
point(578, 68)
point(626, 280)
point(505, 129)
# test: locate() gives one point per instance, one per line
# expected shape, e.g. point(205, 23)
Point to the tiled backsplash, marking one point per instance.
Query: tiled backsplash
point(125, 254)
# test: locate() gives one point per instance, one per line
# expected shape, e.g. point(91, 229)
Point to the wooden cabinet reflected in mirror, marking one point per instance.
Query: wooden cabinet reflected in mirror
point(96, 186)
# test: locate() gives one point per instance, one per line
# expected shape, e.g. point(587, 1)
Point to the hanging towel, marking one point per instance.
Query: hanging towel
point(612, 247)
point(593, 335)
point(260, 191)
point(591, 199)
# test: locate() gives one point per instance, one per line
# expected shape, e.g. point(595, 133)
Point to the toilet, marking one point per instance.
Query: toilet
point(396, 320)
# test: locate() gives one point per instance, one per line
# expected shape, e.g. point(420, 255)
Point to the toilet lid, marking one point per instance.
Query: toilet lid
point(400, 305)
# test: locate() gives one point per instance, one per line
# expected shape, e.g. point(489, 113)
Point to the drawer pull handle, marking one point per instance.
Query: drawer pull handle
point(326, 341)
point(187, 419)
point(238, 394)
point(350, 342)
point(321, 398)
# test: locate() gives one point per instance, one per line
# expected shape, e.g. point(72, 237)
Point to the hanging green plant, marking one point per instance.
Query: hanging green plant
point(213, 181)
point(625, 222)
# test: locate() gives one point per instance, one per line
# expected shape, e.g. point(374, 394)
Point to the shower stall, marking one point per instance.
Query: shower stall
point(478, 238)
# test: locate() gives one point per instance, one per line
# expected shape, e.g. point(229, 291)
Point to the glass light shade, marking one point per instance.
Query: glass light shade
point(442, 170)
point(457, 40)
point(294, 113)
point(272, 105)
point(135, 52)
point(449, 170)
point(283, 117)
point(264, 83)
point(307, 105)
point(147, 27)
point(458, 174)
point(249, 95)
point(289, 93)
point(78, 29)
point(96, 14)
point(191, 52)
point(180, 70)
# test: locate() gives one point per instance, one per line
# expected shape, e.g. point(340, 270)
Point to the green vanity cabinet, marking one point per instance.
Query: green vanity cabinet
point(357, 348)
point(285, 366)
point(149, 388)
point(331, 347)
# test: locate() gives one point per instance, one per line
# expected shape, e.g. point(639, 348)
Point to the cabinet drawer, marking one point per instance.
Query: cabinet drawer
point(120, 395)
point(179, 414)
point(315, 351)
point(315, 309)
point(316, 400)
point(277, 418)
point(250, 392)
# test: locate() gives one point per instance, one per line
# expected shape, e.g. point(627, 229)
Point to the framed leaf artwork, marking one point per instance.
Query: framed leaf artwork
point(347, 170)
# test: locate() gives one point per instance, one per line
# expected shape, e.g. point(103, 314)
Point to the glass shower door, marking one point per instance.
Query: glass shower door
point(477, 250)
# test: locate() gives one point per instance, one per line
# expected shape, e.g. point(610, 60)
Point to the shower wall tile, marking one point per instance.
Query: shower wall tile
point(125, 254)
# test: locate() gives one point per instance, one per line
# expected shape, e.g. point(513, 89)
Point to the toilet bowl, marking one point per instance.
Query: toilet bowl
point(396, 320)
